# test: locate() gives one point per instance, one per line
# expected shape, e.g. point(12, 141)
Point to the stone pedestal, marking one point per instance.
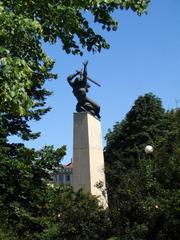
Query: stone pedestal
point(88, 159)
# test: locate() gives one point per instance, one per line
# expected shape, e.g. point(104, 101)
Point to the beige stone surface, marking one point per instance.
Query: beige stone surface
point(88, 159)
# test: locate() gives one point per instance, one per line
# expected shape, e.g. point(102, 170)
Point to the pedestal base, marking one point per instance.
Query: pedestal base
point(88, 159)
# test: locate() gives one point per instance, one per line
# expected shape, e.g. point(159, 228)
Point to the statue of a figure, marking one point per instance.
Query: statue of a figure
point(78, 82)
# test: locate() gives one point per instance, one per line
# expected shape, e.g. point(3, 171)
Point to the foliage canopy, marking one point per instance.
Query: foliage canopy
point(143, 189)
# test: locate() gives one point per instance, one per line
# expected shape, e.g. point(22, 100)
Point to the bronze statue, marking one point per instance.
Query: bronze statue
point(80, 88)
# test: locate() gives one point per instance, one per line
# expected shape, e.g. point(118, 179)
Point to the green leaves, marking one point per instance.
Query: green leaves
point(67, 20)
point(76, 215)
point(24, 188)
point(143, 189)
point(15, 83)
point(33, 210)
point(142, 126)
point(24, 68)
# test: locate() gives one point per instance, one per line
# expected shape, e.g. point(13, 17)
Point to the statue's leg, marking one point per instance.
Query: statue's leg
point(88, 105)
point(95, 107)
point(80, 108)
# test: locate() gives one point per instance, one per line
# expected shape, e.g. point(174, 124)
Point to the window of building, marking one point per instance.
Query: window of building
point(61, 179)
point(67, 178)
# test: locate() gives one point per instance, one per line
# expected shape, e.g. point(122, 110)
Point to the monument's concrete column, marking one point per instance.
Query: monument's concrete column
point(88, 159)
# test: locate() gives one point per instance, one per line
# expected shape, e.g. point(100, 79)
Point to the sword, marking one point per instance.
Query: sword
point(88, 78)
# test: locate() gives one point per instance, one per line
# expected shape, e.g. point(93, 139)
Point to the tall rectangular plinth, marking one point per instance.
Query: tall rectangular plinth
point(88, 158)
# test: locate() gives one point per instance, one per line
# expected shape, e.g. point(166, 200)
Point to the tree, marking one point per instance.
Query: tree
point(167, 173)
point(75, 216)
point(24, 181)
point(139, 199)
point(24, 68)
point(32, 208)
point(142, 125)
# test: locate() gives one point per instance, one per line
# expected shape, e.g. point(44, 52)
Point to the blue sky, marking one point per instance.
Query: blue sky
point(144, 57)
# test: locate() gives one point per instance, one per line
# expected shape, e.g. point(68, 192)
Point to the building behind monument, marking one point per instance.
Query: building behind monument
point(63, 175)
